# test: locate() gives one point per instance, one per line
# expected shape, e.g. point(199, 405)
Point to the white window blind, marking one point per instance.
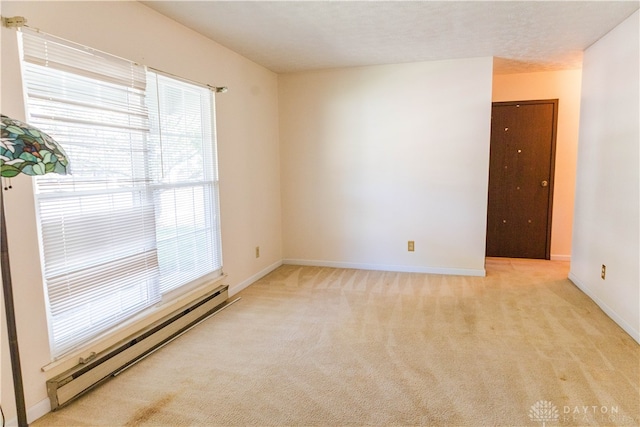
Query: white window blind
point(138, 217)
point(184, 173)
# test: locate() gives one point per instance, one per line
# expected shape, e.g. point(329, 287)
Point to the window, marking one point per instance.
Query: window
point(138, 218)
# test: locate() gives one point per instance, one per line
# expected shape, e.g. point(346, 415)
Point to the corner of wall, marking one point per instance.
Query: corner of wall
point(634, 332)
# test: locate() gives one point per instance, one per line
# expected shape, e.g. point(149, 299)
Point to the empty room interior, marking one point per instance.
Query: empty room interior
point(320, 213)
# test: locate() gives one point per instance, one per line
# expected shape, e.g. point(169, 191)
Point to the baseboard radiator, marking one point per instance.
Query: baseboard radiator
point(73, 383)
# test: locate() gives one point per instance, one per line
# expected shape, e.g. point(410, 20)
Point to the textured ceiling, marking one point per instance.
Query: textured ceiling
point(289, 36)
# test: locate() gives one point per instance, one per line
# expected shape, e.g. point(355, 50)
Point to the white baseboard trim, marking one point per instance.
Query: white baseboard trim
point(560, 257)
point(385, 267)
point(259, 275)
point(635, 333)
point(38, 410)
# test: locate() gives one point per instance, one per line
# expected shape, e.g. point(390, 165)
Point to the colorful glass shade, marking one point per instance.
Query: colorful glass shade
point(26, 149)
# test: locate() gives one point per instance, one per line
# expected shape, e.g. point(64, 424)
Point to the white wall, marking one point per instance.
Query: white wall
point(564, 86)
point(607, 214)
point(373, 157)
point(248, 153)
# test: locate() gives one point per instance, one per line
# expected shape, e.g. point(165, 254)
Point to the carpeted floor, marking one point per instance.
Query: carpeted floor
point(311, 346)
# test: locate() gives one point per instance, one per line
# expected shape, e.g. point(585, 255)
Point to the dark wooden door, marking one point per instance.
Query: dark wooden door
point(521, 168)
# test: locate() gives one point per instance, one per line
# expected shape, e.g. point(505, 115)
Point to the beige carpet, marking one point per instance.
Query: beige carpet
point(334, 347)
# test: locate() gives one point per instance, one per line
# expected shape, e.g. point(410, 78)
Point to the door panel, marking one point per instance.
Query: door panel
point(521, 179)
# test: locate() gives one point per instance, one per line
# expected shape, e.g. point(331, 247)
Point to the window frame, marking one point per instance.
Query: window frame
point(213, 218)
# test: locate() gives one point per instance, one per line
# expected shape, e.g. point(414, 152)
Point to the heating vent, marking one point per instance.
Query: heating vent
point(69, 385)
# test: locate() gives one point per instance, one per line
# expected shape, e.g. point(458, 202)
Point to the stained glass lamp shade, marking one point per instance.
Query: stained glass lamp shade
point(23, 149)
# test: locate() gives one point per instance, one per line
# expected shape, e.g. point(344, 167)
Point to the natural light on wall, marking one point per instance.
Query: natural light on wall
point(138, 218)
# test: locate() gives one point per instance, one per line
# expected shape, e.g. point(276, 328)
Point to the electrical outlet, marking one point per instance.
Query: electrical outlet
point(603, 272)
point(257, 251)
point(411, 246)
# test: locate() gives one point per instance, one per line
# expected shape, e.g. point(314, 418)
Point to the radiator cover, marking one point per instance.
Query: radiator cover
point(71, 384)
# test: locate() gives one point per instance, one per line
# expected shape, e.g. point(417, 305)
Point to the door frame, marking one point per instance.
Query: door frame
point(552, 163)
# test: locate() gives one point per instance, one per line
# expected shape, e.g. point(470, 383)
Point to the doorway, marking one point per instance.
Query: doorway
point(521, 169)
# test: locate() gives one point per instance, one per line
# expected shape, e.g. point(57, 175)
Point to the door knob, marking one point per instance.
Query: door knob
point(544, 183)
